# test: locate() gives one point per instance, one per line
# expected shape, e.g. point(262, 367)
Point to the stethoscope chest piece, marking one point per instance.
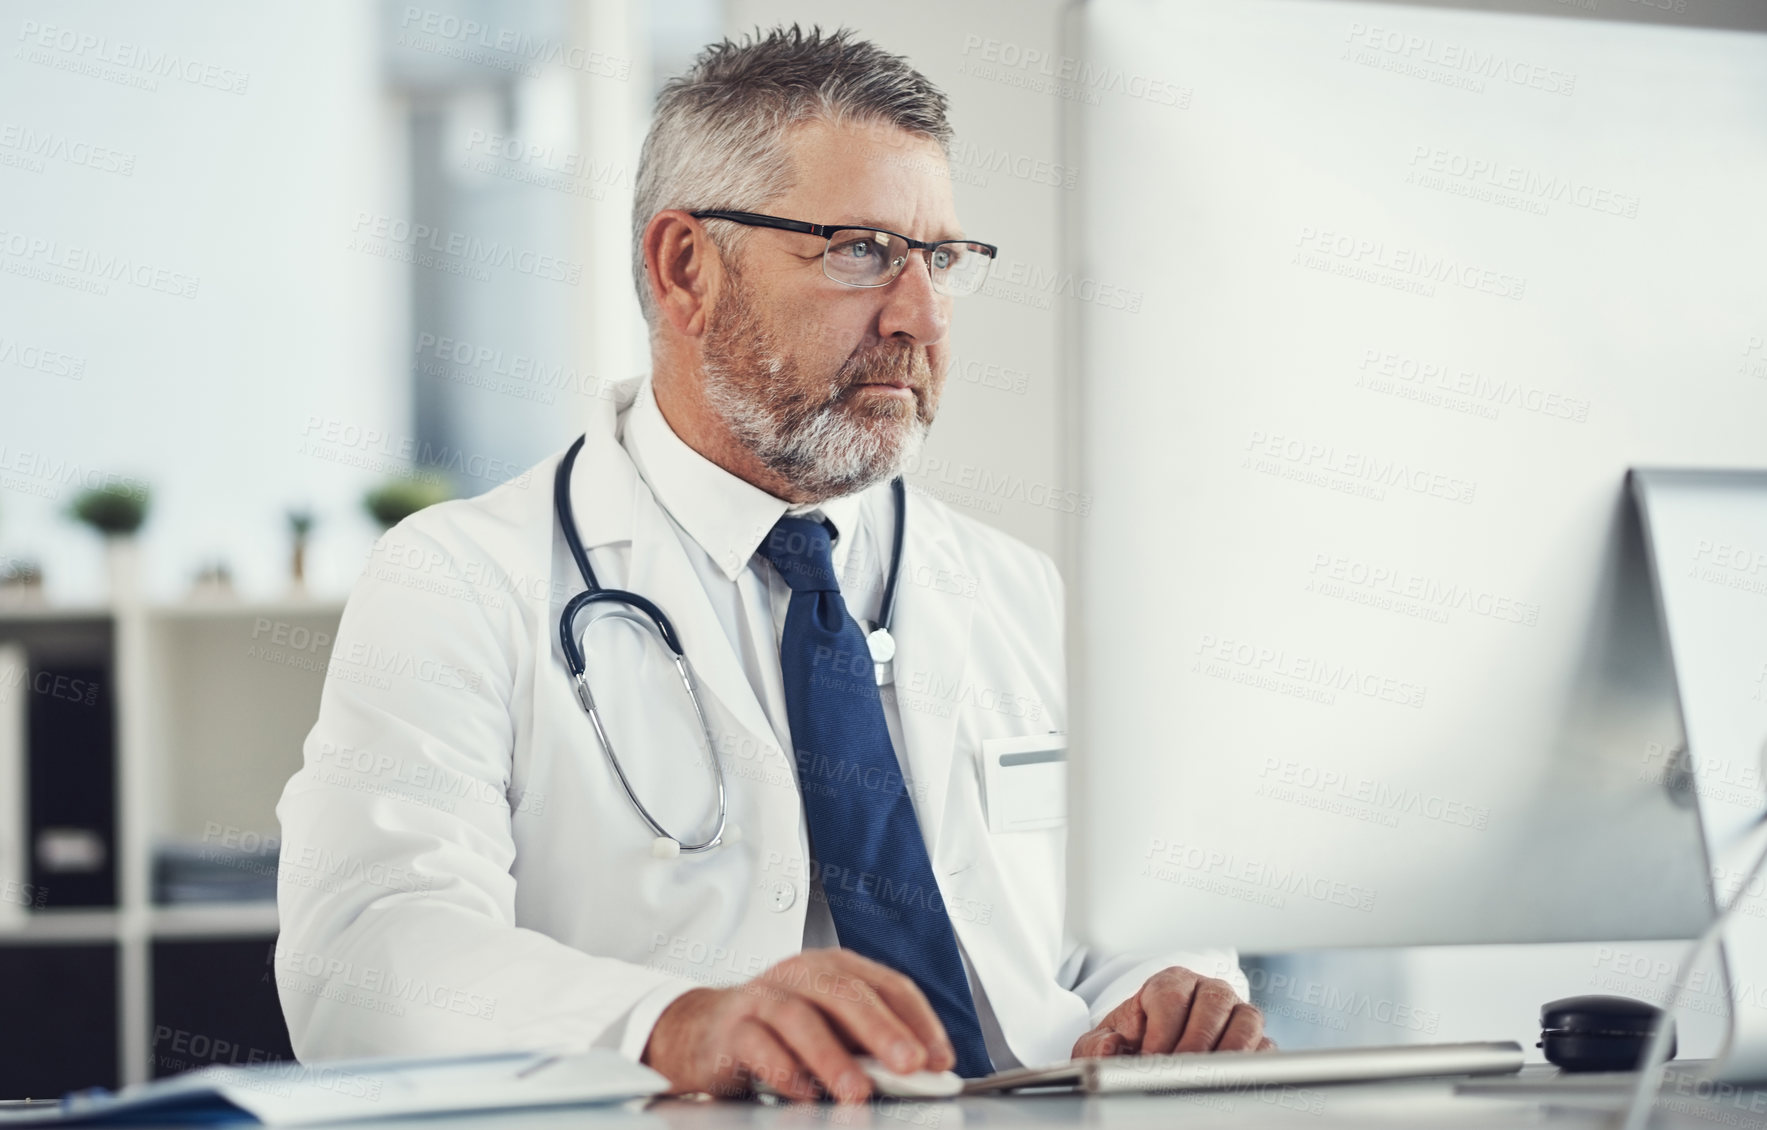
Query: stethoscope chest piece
point(883, 649)
point(882, 645)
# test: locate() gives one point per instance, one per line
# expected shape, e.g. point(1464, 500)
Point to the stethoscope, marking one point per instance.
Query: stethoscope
point(640, 611)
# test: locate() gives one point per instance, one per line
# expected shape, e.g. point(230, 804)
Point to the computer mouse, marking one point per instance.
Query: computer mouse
point(914, 1085)
point(889, 1084)
point(1598, 1033)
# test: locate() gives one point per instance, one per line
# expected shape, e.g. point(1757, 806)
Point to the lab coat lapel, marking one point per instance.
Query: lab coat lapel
point(932, 628)
point(660, 567)
point(601, 486)
point(614, 504)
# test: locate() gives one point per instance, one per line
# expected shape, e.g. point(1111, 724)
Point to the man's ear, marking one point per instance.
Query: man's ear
point(683, 268)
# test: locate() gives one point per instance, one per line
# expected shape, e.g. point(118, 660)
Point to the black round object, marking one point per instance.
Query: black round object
point(1598, 1033)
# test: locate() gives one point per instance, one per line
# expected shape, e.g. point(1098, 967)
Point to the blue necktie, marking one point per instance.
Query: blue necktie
point(865, 842)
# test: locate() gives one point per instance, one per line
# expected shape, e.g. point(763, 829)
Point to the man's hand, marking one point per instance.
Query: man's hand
point(1178, 1010)
point(797, 1026)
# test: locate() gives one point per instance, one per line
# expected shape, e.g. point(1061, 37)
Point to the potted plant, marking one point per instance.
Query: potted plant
point(300, 526)
point(116, 510)
point(214, 581)
point(394, 501)
point(21, 581)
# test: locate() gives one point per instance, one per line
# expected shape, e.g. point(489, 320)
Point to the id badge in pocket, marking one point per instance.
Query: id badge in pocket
point(1025, 782)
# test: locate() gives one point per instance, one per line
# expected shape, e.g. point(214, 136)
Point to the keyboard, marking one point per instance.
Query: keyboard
point(1234, 1071)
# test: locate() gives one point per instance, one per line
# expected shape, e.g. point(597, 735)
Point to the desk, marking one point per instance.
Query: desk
point(1361, 1107)
point(1365, 1106)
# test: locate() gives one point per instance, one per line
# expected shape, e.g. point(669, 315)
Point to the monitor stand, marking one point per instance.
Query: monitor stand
point(1705, 535)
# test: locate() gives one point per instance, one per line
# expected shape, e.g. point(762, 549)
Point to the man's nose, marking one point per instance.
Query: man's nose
point(912, 308)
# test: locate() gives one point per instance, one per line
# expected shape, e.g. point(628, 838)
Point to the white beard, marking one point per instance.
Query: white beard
point(835, 453)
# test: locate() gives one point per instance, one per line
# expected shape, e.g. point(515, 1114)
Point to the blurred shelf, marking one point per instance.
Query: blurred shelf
point(99, 924)
point(50, 613)
point(216, 609)
point(199, 609)
point(213, 698)
point(198, 920)
point(208, 920)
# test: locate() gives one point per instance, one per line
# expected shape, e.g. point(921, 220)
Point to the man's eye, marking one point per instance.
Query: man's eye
point(942, 258)
point(857, 249)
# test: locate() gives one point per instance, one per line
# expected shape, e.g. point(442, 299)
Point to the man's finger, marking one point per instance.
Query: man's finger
point(758, 1053)
point(887, 1014)
point(1210, 1008)
point(1129, 1021)
point(1168, 999)
point(1101, 1041)
point(1266, 1045)
point(802, 1029)
point(1244, 1031)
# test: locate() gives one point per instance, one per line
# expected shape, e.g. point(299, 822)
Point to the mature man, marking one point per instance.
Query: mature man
point(466, 865)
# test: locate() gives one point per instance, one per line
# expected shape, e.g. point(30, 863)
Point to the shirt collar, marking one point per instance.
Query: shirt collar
point(727, 517)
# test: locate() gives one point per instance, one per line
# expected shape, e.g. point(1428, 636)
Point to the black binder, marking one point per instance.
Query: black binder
point(70, 769)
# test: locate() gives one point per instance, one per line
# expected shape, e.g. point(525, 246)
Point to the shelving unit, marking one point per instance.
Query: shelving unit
point(212, 700)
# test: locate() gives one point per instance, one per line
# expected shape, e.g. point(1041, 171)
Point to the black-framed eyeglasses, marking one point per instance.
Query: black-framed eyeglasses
point(862, 256)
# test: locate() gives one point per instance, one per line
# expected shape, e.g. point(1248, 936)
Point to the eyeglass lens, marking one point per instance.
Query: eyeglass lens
point(873, 258)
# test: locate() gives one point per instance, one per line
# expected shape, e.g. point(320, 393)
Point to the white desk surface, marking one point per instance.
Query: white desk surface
point(1371, 1106)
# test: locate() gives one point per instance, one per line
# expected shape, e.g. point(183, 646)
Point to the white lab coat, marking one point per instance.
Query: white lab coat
point(462, 870)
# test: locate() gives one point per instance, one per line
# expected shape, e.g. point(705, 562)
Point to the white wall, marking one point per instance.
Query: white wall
point(994, 450)
point(246, 198)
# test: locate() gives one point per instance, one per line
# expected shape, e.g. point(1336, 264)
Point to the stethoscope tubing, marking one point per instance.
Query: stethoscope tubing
point(594, 593)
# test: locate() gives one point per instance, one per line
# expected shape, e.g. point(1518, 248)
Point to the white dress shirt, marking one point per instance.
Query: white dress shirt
point(722, 521)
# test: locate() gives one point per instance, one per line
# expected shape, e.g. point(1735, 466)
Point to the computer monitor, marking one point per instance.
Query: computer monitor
point(1364, 646)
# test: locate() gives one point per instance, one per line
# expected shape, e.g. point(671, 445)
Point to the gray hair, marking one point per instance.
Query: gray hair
point(718, 138)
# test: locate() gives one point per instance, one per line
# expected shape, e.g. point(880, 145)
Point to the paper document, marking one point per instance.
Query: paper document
point(297, 1094)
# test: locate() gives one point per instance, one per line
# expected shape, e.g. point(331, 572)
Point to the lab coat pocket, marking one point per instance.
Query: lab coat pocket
point(1025, 782)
